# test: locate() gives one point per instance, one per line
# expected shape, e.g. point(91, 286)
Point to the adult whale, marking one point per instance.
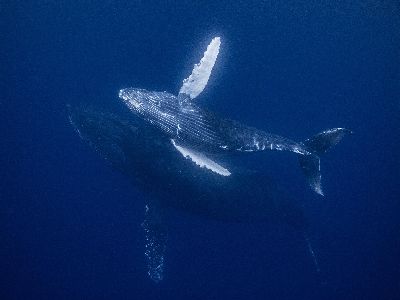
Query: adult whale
point(152, 163)
point(198, 133)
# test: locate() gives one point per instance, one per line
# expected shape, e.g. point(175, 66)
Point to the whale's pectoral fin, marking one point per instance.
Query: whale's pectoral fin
point(156, 235)
point(201, 160)
point(197, 81)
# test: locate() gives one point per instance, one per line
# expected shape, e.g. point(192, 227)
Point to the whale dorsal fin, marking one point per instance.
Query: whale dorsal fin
point(201, 160)
point(197, 81)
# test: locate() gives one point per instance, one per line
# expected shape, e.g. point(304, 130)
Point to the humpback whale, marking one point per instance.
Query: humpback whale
point(199, 134)
point(152, 163)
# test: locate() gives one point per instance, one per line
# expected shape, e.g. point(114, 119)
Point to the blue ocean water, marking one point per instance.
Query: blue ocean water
point(70, 224)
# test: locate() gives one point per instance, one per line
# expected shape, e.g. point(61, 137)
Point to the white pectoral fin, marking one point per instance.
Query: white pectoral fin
point(197, 81)
point(201, 160)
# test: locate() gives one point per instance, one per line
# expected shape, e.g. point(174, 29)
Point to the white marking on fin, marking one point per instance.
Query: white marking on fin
point(201, 160)
point(197, 81)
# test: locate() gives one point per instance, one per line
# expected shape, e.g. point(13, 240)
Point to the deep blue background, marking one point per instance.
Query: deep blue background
point(70, 225)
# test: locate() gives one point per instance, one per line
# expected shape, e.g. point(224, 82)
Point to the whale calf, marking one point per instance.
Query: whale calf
point(199, 134)
point(152, 164)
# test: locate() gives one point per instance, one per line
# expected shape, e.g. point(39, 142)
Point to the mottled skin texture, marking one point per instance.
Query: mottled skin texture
point(180, 119)
point(184, 121)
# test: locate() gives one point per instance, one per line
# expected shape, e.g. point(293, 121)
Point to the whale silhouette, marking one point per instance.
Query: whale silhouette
point(199, 134)
point(152, 163)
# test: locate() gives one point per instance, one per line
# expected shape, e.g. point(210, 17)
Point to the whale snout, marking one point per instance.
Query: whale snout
point(131, 97)
point(123, 94)
point(128, 94)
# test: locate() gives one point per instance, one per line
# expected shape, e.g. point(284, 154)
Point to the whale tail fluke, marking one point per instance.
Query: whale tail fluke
point(317, 145)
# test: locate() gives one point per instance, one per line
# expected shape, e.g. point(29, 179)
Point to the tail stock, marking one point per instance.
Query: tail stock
point(317, 145)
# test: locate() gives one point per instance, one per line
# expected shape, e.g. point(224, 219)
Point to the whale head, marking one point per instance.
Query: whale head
point(157, 108)
point(134, 98)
